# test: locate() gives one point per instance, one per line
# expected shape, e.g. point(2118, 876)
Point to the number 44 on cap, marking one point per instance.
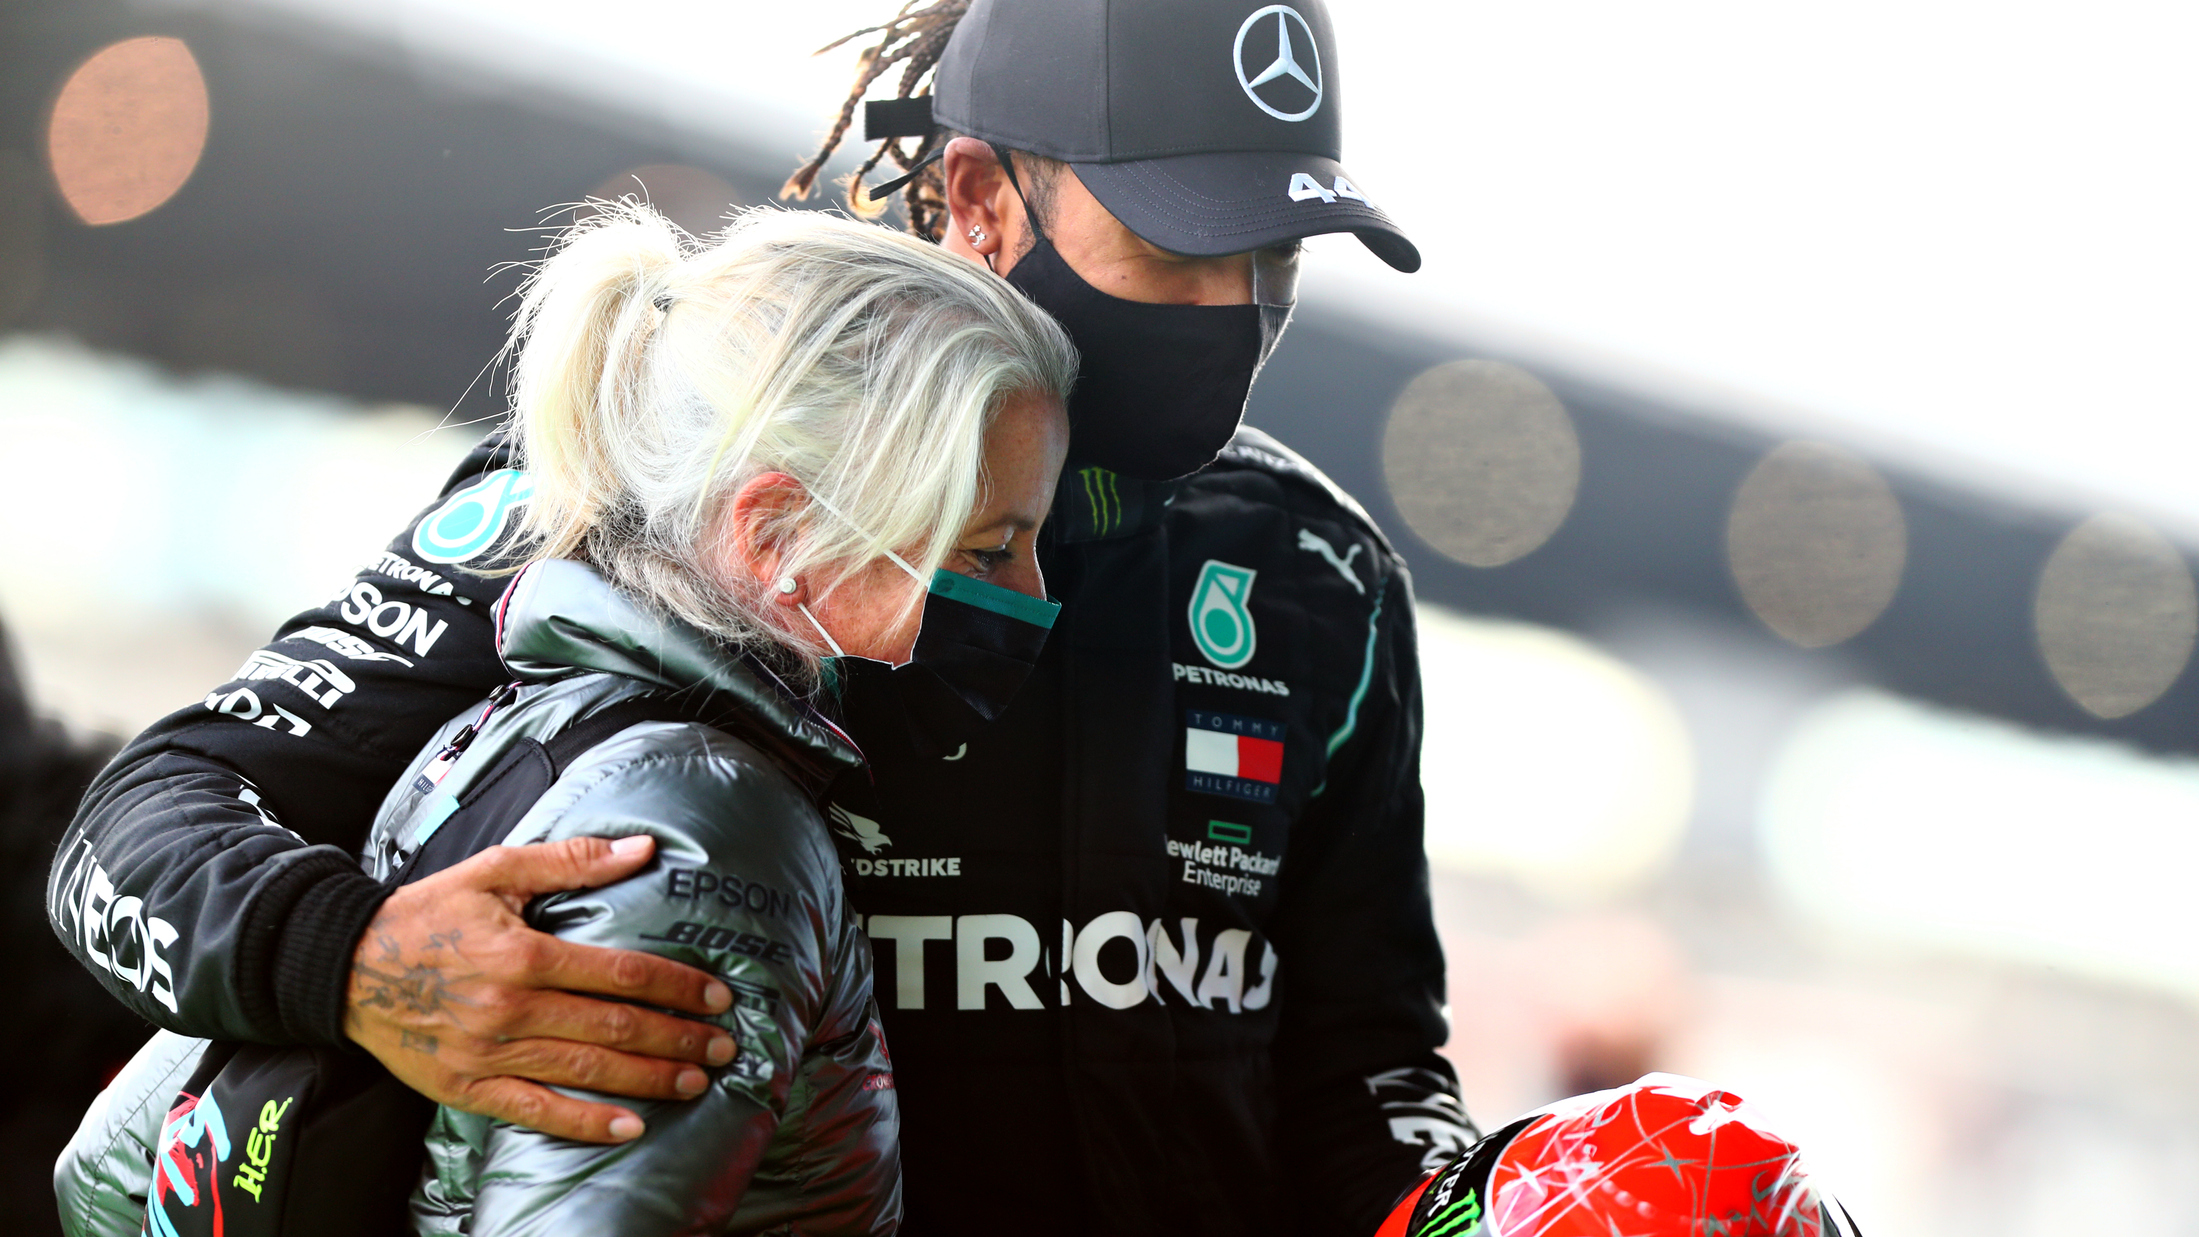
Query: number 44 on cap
point(1304, 188)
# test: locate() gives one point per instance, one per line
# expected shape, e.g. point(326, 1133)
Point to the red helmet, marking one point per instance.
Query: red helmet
point(1665, 1157)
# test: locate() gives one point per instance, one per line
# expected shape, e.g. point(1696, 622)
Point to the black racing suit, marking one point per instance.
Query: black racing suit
point(1155, 951)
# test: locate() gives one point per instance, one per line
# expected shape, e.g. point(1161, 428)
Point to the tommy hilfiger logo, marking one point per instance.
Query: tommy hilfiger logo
point(1241, 757)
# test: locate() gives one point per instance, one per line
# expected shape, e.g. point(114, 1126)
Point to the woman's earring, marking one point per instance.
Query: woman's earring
point(977, 235)
point(787, 585)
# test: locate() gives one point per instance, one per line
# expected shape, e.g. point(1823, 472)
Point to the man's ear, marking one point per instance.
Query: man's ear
point(985, 213)
point(753, 538)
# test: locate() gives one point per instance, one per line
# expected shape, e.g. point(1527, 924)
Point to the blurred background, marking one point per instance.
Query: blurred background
point(1791, 433)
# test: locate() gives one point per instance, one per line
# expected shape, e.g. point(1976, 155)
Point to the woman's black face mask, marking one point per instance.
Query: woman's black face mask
point(977, 644)
point(1161, 388)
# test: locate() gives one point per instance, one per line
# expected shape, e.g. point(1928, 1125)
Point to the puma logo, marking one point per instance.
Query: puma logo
point(1310, 540)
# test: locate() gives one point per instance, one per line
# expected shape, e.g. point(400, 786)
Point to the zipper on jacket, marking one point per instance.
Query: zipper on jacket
point(437, 769)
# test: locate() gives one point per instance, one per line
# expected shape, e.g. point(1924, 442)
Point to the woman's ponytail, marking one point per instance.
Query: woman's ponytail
point(587, 319)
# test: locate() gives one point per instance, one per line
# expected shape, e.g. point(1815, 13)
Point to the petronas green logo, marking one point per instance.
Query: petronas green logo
point(1220, 624)
point(471, 520)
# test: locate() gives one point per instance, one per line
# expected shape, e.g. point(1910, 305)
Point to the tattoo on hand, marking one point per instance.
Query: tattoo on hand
point(425, 1044)
point(420, 988)
point(408, 987)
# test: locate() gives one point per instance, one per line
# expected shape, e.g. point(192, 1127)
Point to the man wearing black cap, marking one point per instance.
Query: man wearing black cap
point(1181, 974)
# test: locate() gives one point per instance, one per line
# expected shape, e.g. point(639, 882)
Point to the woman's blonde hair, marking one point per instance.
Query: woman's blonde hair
point(656, 374)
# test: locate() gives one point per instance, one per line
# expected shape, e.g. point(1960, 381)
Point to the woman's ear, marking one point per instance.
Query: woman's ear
point(754, 536)
point(985, 214)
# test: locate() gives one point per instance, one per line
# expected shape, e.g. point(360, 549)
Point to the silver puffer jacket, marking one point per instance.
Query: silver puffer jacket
point(800, 1134)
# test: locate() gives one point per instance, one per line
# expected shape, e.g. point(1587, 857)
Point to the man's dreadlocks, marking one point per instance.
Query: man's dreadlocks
point(914, 39)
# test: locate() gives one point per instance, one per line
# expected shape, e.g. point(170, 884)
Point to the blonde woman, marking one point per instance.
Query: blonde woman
point(808, 449)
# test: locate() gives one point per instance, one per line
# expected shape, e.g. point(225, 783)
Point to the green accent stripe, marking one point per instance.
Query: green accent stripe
point(1366, 677)
point(1359, 694)
point(969, 592)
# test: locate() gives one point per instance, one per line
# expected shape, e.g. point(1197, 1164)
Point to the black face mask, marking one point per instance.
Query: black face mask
point(1161, 388)
point(977, 644)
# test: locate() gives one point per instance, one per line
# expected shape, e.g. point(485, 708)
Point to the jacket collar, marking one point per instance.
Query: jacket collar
point(560, 617)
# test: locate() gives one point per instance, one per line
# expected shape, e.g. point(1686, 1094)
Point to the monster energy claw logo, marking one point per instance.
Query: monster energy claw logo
point(1104, 497)
point(1220, 624)
point(471, 520)
point(1459, 1219)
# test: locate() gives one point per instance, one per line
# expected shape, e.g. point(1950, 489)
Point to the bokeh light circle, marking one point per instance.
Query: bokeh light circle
point(2116, 615)
point(127, 129)
point(1816, 542)
point(1547, 760)
point(1482, 460)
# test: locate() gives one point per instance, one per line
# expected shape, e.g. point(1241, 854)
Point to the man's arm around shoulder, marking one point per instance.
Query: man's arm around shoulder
point(209, 880)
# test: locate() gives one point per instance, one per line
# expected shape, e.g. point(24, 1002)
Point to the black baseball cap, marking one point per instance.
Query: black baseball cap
point(1206, 126)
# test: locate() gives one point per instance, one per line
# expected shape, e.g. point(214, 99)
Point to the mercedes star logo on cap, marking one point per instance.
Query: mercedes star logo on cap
point(1285, 62)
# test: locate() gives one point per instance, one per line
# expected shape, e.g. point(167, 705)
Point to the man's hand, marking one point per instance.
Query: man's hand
point(469, 1006)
